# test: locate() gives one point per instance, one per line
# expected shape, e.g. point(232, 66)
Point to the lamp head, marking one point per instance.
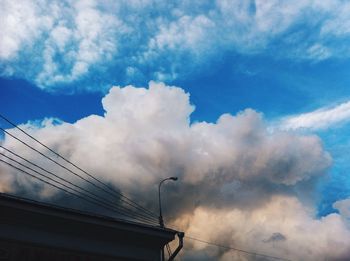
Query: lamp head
point(173, 178)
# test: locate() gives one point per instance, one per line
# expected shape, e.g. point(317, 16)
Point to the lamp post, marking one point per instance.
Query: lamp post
point(161, 222)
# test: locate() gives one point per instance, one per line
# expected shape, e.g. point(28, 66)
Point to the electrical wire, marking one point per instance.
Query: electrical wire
point(80, 194)
point(93, 200)
point(62, 166)
point(236, 249)
point(42, 180)
point(95, 196)
point(127, 200)
point(132, 204)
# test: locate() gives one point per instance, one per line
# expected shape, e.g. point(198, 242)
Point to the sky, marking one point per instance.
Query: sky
point(247, 101)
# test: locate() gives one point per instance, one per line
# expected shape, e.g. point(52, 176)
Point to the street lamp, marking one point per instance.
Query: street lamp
point(161, 222)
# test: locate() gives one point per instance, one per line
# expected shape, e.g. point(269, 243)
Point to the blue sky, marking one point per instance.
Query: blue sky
point(283, 59)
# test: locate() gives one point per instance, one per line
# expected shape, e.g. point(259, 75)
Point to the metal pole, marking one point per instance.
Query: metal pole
point(161, 222)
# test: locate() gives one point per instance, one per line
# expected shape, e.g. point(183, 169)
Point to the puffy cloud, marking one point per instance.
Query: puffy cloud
point(56, 43)
point(21, 23)
point(81, 42)
point(60, 41)
point(239, 183)
point(151, 128)
point(282, 228)
point(343, 206)
point(319, 119)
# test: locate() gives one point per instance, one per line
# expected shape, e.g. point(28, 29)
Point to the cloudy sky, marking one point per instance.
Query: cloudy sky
point(247, 102)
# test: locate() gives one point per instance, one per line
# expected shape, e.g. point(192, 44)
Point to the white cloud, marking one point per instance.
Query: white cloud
point(343, 206)
point(339, 22)
point(54, 43)
point(301, 236)
point(243, 181)
point(318, 52)
point(319, 119)
point(60, 40)
point(20, 23)
point(89, 40)
point(156, 120)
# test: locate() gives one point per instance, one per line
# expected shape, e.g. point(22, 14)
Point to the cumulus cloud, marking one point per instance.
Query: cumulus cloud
point(57, 43)
point(283, 228)
point(343, 206)
point(239, 184)
point(319, 119)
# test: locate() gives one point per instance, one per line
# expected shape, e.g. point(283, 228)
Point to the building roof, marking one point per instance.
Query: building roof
point(44, 224)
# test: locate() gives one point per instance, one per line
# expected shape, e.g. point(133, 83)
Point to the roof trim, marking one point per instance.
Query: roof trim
point(83, 216)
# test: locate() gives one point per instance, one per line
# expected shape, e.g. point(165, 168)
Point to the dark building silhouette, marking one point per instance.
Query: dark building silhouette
point(30, 230)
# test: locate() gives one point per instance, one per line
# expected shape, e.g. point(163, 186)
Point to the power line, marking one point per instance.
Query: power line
point(62, 166)
point(92, 199)
point(80, 194)
point(42, 180)
point(127, 200)
point(123, 198)
point(133, 203)
point(95, 196)
point(236, 249)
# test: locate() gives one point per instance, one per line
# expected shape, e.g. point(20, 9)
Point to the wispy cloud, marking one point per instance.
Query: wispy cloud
point(56, 43)
point(319, 119)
